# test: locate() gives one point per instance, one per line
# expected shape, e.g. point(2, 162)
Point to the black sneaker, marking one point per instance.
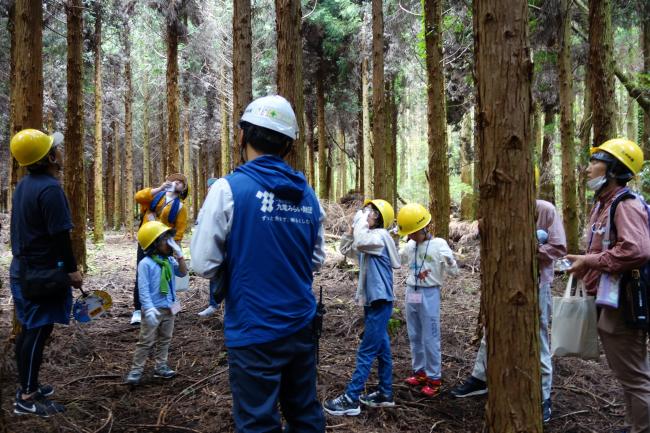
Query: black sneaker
point(39, 406)
point(546, 410)
point(342, 405)
point(43, 391)
point(377, 399)
point(472, 386)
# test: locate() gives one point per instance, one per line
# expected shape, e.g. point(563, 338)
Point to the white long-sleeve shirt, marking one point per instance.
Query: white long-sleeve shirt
point(428, 262)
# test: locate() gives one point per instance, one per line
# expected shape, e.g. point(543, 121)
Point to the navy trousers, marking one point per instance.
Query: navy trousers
point(281, 371)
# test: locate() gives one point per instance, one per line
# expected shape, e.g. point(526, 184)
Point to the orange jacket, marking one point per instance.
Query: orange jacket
point(144, 197)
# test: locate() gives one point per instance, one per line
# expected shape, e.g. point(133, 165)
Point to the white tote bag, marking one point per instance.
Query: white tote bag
point(574, 332)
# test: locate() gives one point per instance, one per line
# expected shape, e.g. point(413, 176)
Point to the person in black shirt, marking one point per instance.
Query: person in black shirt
point(40, 239)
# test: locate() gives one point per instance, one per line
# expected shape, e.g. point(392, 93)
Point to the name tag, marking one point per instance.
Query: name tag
point(414, 298)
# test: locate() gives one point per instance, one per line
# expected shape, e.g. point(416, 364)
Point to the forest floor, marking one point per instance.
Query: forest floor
point(86, 363)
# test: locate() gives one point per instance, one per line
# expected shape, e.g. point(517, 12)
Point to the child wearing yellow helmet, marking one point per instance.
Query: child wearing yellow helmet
point(370, 243)
point(429, 260)
point(156, 289)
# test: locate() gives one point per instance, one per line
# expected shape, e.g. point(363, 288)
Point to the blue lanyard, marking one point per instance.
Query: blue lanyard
point(415, 259)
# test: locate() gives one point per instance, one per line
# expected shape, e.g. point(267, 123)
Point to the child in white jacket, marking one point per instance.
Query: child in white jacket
point(429, 260)
point(371, 244)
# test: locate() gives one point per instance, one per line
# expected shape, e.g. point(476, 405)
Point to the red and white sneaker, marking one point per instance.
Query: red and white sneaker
point(419, 378)
point(431, 387)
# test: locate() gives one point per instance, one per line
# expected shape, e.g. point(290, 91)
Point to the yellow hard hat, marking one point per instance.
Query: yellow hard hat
point(30, 145)
point(149, 232)
point(411, 218)
point(385, 209)
point(626, 151)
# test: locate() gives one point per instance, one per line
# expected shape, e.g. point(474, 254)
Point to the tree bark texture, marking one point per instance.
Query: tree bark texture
point(242, 72)
point(224, 158)
point(508, 267)
point(381, 185)
point(567, 125)
point(161, 167)
point(109, 175)
point(645, 133)
point(173, 155)
point(547, 178)
point(342, 163)
point(146, 148)
point(98, 213)
point(127, 191)
point(187, 155)
point(75, 179)
point(288, 17)
point(360, 181)
point(322, 138)
point(601, 62)
point(438, 173)
point(630, 119)
point(117, 178)
point(309, 144)
point(466, 160)
point(368, 162)
point(27, 97)
point(583, 157)
point(12, 164)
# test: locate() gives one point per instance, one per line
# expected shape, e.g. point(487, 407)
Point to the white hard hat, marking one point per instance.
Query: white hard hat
point(272, 112)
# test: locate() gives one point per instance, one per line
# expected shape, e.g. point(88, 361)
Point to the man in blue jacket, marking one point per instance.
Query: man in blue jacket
point(260, 229)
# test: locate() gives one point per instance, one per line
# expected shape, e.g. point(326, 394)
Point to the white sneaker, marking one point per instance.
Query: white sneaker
point(136, 318)
point(208, 311)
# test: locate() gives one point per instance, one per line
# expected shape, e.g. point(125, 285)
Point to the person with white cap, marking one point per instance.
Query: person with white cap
point(260, 230)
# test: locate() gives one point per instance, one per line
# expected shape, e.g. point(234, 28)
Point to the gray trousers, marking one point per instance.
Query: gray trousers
point(159, 336)
point(545, 306)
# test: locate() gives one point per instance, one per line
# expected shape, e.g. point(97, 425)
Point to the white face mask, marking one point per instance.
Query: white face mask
point(596, 183)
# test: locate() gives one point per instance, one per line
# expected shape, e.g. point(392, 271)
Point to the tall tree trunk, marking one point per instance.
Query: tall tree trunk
point(569, 199)
point(173, 154)
point(117, 178)
point(601, 62)
point(360, 180)
point(328, 172)
point(645, 44)
point(195, 191)
point(309, 143)
point(127, 191)
point(109, 176)
point(146, 149)
point(381, 189)
point(75, 180)
point(438, 173)
point(331, 164)
point(27, 95)
point(503, 73)
point(583, 157)
point(12, 163)
point(466, 200)
point(322, 139)
point(203, 171)
point(368, 167)
point(242, 81)
point(162, 169)
point(630, 119)
point(547, 178)
point(98, 214)
point(28, 66)
point(394, 130)
point(187, 155)
point(288, 18)
point(343, 161)
point(224, 155)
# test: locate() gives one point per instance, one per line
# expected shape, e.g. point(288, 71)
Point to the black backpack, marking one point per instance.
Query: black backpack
point(634, 296)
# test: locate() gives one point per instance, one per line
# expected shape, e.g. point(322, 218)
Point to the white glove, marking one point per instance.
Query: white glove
point(152, 316)
point(362, 214)
point(175, 247)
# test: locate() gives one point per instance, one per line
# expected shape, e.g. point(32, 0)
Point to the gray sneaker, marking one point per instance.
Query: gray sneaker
point(133, 378)
point(164, 371)
point(342, 405)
